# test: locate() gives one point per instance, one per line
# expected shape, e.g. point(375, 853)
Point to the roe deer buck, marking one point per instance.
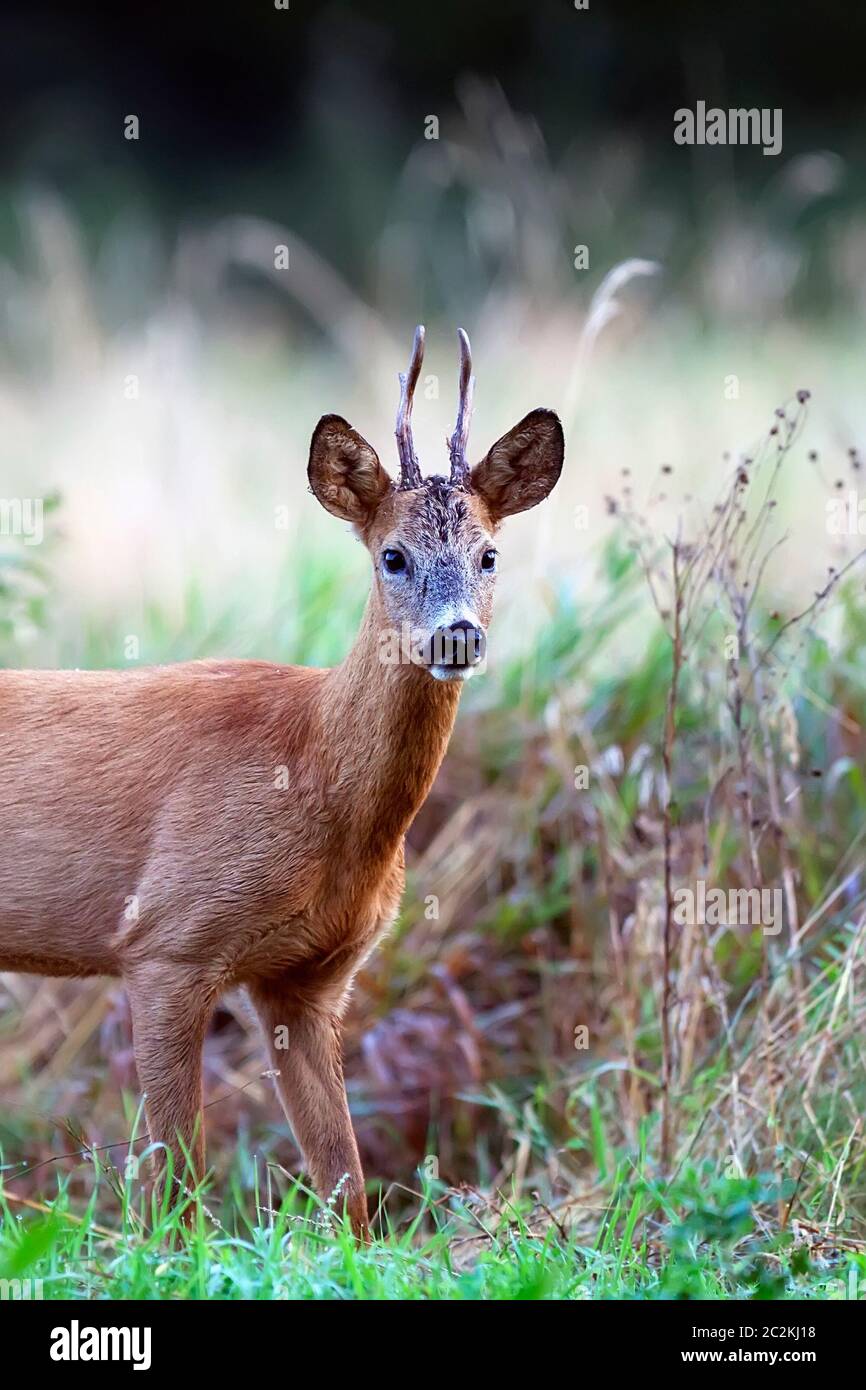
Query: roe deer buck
point(158, 788)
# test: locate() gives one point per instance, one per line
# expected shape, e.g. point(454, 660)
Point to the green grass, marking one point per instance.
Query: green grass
point(699, 1238)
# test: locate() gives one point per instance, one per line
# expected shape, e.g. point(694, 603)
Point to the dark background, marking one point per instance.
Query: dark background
point(292, 114)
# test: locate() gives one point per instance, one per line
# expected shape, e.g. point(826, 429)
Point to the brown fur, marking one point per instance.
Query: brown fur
point(145, 833)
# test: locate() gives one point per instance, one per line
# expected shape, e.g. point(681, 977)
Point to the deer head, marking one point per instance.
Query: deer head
point(431, 539)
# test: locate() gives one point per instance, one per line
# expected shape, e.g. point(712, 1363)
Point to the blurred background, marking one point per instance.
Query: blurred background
point(178, 309)
point(165, 376)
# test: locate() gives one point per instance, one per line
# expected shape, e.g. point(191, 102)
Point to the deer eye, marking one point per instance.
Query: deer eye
point(393, 561)
point(488, 560)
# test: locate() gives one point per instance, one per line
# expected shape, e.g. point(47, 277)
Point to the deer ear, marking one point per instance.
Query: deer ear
point(344, 471)
point(522, 467)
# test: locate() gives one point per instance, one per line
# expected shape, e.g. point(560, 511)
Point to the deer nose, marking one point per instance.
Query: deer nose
point(458, 644)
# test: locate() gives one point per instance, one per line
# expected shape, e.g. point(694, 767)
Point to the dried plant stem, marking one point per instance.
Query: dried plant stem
point(668, 942)
point(788, 878)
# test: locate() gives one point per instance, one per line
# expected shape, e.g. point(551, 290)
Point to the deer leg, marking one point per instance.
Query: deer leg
point(169, 1018)
point(304, 1046)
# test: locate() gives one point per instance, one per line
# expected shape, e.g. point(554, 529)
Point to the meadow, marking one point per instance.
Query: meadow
point(560, 1089)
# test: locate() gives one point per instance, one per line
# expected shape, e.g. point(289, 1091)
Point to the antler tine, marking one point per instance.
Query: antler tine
point(410, 472)
point(457, 444)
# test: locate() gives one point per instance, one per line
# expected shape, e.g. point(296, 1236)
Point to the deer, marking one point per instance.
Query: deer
point(193, 828)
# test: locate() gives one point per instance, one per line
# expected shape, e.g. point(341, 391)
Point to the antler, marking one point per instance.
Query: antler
point(410, 472)
point(457, 442)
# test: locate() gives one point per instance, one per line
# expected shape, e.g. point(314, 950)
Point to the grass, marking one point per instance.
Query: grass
point(614, 1107)
point(555, 1184)
point(700, 1238)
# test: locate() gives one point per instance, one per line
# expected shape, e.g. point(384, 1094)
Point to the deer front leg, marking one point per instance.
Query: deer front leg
point(304, 1044)
point(170, 1011)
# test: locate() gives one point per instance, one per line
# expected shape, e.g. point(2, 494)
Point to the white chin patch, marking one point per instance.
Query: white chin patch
point(451, 673)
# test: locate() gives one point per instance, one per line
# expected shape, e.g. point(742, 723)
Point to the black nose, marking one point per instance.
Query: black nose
point(460, 644)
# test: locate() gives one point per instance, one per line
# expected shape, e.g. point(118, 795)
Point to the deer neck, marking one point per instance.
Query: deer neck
point(388, 726)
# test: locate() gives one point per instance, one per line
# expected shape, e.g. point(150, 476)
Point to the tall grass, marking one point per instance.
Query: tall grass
point(559, 1089)
point(719, 1071)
